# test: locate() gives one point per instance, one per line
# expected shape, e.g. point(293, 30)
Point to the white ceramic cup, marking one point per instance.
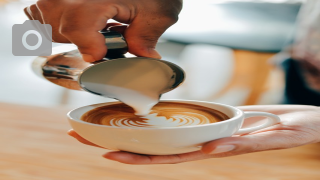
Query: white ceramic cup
point(168, 140)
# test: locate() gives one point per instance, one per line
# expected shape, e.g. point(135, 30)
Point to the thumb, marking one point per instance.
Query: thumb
point(143, 33)
point(268, 140)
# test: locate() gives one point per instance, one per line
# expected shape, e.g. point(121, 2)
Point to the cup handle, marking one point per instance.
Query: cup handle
point(271, 120)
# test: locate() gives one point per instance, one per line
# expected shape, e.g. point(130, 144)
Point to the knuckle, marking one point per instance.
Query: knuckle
point(27, 13)
point(33, 12)
point(33, 8)
point(25, 9)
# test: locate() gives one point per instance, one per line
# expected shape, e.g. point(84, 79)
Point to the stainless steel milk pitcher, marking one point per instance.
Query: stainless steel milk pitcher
point(65, 66)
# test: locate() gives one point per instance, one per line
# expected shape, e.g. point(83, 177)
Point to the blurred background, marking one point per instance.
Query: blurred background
point(226, 48)
point(230, 51)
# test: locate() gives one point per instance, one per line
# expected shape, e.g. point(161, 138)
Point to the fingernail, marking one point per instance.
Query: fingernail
point(70, 133)
point(88, 58)
point(223, 148)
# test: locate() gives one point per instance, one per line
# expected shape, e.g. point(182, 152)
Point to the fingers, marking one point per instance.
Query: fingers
point(41, 11)
point(262, 141)
point(79, 28)
point(81, 139)
point(27, 13)
point(130, 158)
point(33, 13)
point(127, 158)
point(277, 109)
point(143, 33)
point(268, 140)
point(53, 18)
point(151, 20)
point(71, 21)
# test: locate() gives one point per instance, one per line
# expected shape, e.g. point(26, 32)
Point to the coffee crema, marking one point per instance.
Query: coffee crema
point(163, 114)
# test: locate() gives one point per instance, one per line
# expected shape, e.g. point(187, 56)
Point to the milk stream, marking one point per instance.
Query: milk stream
point(142, 104)
point(138, 83)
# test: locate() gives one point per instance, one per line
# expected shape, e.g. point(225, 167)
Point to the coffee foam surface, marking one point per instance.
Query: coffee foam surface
point(153, 120)
point(164, 114)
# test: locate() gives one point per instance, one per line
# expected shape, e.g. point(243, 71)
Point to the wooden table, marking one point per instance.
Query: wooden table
point(35, 146)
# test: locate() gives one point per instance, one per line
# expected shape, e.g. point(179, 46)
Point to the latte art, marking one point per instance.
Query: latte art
point(153, 120)
point(164, 114)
